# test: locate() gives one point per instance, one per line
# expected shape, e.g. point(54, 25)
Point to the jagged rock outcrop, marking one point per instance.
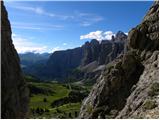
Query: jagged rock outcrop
point(91, 52)
point(14, 99)
point(128, 87)
point(113, 86)
point(143, 102)
point(120, 36)
point(105, 51)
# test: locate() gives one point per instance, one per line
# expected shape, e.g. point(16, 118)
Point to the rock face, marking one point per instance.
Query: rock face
point(14, 102)
point(128, 87)
point(105, 51)
point(61, 63)
point(143, 101)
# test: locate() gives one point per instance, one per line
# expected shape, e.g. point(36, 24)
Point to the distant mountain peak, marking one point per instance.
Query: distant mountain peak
point(120, 36)
point(94, 42)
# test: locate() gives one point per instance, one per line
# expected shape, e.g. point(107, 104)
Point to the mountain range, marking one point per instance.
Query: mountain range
point(124, 73)
point(74, 63)
point(30, 58)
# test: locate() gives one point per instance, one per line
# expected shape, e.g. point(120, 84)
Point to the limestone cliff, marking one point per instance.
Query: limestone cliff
point(105, 51)
point(62, 64)
point(14, 99)
point(93, 64)
point(128, 87)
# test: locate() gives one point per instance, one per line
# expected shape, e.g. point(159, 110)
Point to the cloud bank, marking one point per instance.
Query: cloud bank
point(99, 35)
point(23, 45)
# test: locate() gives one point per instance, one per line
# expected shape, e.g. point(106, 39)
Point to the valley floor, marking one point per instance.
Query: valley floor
point(55, 100)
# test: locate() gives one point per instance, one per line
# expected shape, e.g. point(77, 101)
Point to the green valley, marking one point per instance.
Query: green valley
point(55, 100)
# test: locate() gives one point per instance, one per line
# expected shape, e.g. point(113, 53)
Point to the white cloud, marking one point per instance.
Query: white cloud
point(92, 35)
point(126, 33)
point(108, 35)
point(41, 11)
point(26, 27)
point(36, 10)
point(23, 45)
point(85, 24)
point(87, 19)
point(64, 43)
point(56, 49)
point(81, 18)
point(36, 26)
point(99, 35)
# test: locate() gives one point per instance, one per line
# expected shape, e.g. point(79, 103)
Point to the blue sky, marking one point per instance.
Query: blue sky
point(47, 26)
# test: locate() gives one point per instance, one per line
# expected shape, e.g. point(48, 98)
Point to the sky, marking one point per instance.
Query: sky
point(48, 26)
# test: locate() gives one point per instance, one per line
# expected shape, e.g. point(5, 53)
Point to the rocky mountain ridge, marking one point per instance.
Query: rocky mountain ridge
point(30, 58)
point(128, 87)
point(61, 64)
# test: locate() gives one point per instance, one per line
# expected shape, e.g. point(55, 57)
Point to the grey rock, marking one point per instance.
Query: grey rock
point(15, 97)
point(134, 107)
point(129, 84)
point(111, 91)
point(61, 64)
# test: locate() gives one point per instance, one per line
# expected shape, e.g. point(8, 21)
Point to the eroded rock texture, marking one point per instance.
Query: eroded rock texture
point(14, 99)
point(128, 87)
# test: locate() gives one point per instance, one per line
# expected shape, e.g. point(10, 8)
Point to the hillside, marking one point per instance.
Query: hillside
point(29, 58)
point(54, 100)
point(33, 63)
point(128, 87)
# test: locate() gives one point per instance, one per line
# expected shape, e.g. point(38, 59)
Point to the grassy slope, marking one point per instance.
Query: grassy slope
point(59, 92)
point(64, 111)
